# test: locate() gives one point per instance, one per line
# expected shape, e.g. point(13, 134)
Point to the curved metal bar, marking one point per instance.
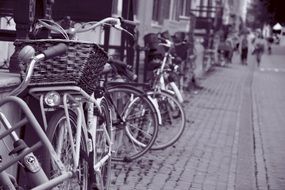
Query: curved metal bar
point(17, 125)
point(27, 79)
point(36, 126)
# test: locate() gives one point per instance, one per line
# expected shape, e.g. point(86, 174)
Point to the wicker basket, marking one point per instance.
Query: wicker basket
point(80, 66)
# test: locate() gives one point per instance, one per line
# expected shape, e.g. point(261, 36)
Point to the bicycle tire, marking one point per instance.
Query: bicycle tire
point(57, 133)
point(173, 124)
point(140, 131)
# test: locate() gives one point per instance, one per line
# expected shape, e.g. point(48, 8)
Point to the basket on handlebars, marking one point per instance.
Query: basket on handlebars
point(80, 66)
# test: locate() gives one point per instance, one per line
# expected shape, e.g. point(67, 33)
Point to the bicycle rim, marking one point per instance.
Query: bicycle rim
point(173, 119)
point(136, 135)
point(58, 134)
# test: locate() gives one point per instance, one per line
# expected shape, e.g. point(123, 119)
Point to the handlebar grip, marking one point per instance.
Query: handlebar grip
point(128, 22)
point(130, 75)
point(123, 69)
point(56, 50)
point(163, 40)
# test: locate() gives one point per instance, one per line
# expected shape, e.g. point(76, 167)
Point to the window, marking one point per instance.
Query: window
point(160, 10)
point(170, 9)
point(135, 6)
point(117, 7)
point(156, 10)
point(180, 8)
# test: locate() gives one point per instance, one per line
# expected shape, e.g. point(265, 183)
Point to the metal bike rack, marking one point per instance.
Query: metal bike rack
point(41, 181)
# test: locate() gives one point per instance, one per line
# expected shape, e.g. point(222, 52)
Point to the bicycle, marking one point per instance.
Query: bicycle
point(169, 99)
point(166, 71)
point(68, 170)
point(134, 116)
point(171, 113)
point(123, 118)
point(87, 133)
point(165, 75)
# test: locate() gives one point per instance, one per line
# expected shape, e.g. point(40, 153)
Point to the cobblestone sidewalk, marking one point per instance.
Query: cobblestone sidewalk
point(205, 156)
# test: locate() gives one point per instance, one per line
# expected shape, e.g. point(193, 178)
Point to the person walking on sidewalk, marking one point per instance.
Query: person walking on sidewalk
point(259, 47)
point(244, 49)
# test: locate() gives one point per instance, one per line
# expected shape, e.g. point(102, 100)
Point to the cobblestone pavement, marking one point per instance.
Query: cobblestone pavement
point(269, 120)
point(206, 155)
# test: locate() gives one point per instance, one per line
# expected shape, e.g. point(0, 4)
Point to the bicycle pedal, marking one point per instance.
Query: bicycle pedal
point(118, 124)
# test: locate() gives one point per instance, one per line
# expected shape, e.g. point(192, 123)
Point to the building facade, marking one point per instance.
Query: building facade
point(155, 16)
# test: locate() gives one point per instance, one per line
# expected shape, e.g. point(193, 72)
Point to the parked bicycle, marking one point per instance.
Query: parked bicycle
point(66, 138)
point(78, 135)
point(134, 118)
point(171, 113)
point(166, 71)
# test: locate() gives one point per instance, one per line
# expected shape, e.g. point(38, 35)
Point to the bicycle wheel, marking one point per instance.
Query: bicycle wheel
point(173, 119)
point(136, 134)
point(58, 134)
point(102, 147)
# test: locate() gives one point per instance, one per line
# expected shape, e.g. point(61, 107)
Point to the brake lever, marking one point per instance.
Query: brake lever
point(118, 26)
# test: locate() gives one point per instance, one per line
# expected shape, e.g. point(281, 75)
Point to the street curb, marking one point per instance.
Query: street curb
point(260, 160)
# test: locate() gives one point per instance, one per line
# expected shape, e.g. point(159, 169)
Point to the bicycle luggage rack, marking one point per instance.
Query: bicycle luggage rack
point(23, 150)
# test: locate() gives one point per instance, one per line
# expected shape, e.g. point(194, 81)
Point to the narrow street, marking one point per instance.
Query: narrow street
point(234, 135)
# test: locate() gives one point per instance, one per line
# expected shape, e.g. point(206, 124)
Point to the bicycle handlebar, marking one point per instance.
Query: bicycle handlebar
point(54, 51)
point(114, 22)
point(51, 52)
point(123, 69)
point(165, 42)
point(127, 22)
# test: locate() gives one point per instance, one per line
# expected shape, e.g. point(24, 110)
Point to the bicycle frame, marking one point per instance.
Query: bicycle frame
point(86, 125)
point(73, 97)
point(75, 151)
point(159, 81)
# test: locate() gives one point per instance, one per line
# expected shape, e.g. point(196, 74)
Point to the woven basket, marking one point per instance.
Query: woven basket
point(80, 66)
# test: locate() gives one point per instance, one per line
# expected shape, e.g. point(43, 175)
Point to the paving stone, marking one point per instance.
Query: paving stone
point(202, 157)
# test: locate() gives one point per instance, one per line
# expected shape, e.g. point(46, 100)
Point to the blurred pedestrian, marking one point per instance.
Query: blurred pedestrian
point(269, 44)
point(244, 49)
point(236, 43)
point(259, 47)
point(230, 50)
point(225, 51)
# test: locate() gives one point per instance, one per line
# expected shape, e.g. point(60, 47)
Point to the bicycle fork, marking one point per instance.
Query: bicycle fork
point(92, 129)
